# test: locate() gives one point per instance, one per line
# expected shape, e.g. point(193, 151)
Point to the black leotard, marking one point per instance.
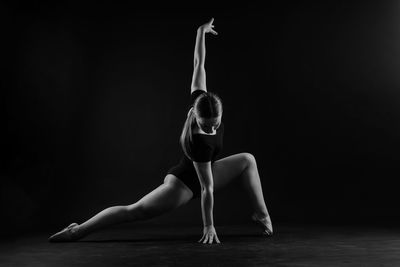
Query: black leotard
point(205, 148)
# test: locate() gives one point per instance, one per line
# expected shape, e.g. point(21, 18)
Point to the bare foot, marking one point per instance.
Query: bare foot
point(265, 223)
point(67, 234)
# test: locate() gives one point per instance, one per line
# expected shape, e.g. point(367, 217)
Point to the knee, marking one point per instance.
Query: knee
point(135, 212)
point(249, 159)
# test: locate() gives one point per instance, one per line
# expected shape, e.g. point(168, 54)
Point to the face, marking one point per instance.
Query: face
point(209, 125)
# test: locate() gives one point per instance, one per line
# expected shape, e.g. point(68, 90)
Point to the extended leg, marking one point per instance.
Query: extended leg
point(164, 198)
point(106, 217)
point(171, 194)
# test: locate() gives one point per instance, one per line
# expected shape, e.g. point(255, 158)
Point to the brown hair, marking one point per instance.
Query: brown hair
point(207, 105)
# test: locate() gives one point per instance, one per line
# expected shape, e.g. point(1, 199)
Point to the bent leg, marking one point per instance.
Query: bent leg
point(168, 196)
point(241, 166)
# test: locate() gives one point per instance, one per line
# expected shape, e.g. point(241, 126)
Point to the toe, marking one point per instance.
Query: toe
point(64, 235)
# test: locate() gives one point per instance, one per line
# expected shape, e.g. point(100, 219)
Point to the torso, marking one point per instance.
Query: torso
point(206, 146)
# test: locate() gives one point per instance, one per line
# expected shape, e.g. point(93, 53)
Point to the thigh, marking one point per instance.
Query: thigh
point(169, 195)
point(227, 169)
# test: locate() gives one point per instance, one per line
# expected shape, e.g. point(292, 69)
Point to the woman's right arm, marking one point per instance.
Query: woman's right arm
point(199, 72)
point(203, 170)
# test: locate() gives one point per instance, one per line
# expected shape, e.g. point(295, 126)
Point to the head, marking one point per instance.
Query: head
point(206, 114)
point(207, 110)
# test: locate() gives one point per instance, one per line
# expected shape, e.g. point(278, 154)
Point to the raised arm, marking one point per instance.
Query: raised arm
point(199, 72)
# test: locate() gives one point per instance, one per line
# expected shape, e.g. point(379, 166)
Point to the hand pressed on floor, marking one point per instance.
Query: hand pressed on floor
point(209, 235)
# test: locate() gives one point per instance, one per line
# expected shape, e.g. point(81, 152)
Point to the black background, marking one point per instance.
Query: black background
point(94, 97)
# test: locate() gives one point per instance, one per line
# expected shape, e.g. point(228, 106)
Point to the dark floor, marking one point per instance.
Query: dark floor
point(241, 245)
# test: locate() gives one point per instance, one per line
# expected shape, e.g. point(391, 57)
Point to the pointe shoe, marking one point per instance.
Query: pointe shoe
point(265, 223)
point(65, 235)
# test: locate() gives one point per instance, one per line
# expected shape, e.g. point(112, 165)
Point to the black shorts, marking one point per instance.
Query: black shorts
point(186, 172)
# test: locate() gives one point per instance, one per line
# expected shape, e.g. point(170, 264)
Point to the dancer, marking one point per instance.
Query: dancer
point(197, 175)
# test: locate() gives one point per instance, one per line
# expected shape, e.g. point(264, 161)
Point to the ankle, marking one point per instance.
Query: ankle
point(262, 215)
point(76, 232)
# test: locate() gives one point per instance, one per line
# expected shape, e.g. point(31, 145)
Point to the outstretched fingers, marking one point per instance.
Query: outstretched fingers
point(212, 26)
point(204, 239)
point(209, 27)
point(209, 238)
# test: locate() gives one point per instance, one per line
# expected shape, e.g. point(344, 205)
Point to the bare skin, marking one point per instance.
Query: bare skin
point(207, 126)
point(203, 170)
point(173, 193)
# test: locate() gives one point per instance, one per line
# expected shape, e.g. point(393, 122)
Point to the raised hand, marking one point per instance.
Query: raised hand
point(209, 235)
point(208, 27)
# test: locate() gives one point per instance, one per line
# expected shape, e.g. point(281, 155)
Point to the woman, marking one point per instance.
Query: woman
point(197, 174)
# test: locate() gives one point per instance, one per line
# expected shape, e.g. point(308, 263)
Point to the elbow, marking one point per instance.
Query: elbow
point(198, 66)
point(208, 189)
